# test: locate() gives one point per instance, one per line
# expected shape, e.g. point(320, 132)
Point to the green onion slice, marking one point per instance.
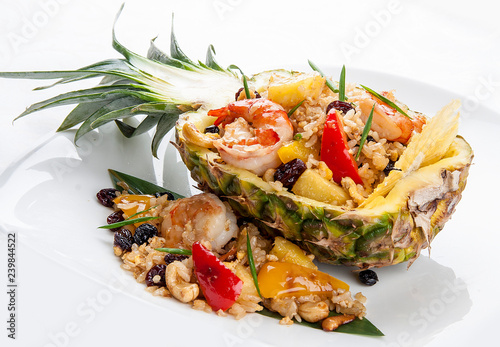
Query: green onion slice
point(366, 130)
point(127, 222)
point(295, 108)
point(245, 82)
point(384, 99)
point(328, 82)
point(252, 264)
point(175, 251)
point(342, 85)
point(141, 212)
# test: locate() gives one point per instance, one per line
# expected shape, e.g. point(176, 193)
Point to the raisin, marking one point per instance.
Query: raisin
point(290, 172)
point(124, 240)
point(368, 277)
point(170, 258)
point(212, 129)
point(157, 270)
point(342, 106)
point(144, 232)
point(170, 196)
point(390, 167)
point(106, 196)
point(115, 217)
point(237, 95)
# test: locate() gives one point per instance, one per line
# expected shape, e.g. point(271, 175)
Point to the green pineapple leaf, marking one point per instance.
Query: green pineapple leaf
point(357, 326)
point(137, 185)
point(152, 86)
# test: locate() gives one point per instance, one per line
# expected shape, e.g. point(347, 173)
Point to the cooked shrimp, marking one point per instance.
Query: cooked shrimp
point(389, 123)
point(202, 217)
point(254, 130)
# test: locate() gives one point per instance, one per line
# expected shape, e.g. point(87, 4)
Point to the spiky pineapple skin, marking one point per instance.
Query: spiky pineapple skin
point(335, 236)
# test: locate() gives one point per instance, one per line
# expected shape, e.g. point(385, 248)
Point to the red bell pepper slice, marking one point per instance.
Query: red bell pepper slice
point(220, 286)
point(335, 151)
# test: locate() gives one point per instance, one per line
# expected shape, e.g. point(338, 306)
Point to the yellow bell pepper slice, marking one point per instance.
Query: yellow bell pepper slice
point(279, 279)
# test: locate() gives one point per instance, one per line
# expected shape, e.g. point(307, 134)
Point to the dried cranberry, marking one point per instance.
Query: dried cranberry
point(115, 217)
point(144, 232)
point(237, 95)
point(370, 138)
point(157, 270)
point(106, 196)
point(170, 258)
point(212, 129)
point(368, 277)
point(342, 106)
point(170, 195)
point(124, 239)
point(290, 172)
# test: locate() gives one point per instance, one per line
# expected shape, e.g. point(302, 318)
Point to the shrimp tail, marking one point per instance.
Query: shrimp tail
point(222, 114)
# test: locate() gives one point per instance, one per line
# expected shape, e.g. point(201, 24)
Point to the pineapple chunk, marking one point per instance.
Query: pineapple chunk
point(291, 253)
point(245, 275)
point(313, 186)
point(297, 149)
point(288, 92)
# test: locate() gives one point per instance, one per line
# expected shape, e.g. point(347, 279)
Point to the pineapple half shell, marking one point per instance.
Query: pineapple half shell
point(399, 220)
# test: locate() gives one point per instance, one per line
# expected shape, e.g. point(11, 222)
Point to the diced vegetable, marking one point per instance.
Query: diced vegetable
point(220, 286)
point(335, 151)
point(279, 279)
point(131, 204)
point(291, 253)
point(313, 186)
point(297, 150)
point(288, 92)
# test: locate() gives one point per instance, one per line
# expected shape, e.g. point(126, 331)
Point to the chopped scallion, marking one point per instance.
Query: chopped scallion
point(328, 82)
point(128, 222)
point(245, 82)
point(295, 108)
point(251, 263)
point(387, 101)
point(366, 130)
point(141, 212)
point(175, 251)
point(342, 85)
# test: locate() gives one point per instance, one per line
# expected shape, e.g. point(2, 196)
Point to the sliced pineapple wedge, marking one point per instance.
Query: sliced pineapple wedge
point(425, 148)
point(288, 92)
point(313, 186)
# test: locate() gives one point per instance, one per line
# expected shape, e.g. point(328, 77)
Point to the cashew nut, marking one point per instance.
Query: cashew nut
point(332, 323)
point(177, 277)
point(193, 135)
point(314, 311)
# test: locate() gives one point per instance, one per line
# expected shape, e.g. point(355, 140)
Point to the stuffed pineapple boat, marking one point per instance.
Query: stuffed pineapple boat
point(351, 175)
point(385, 220)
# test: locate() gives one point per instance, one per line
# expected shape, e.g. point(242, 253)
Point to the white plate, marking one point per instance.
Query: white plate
point(67, 271)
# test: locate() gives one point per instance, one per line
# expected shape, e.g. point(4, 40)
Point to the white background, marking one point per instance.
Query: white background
point(453, 45)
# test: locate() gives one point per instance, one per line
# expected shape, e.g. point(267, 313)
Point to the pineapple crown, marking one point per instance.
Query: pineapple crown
point(159, 86)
